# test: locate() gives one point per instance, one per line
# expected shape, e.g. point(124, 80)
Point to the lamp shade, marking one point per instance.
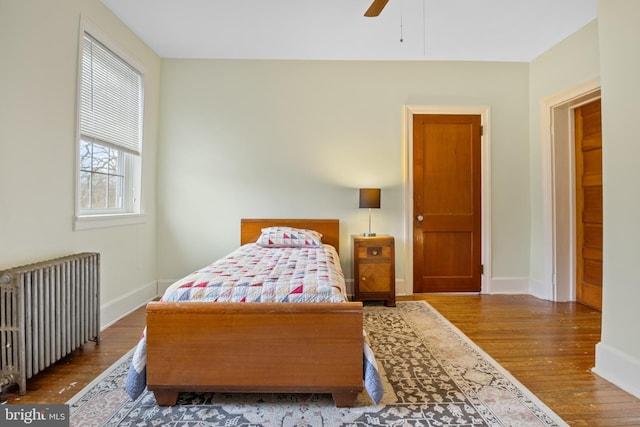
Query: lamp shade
point(370, 198)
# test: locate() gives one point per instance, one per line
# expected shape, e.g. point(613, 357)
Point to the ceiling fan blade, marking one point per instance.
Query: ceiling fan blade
point(376, 7)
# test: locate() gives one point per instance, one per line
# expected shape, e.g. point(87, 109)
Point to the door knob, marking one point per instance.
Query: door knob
point(420, 218)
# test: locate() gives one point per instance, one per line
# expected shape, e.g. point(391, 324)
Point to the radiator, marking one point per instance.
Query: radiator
point(47, 310)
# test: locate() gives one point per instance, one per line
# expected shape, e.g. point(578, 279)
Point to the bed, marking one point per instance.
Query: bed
point(297, 346)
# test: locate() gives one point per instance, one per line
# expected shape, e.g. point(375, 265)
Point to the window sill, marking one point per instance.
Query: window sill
point(103, 221)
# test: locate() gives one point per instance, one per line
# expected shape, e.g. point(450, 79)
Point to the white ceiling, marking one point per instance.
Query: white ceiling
point(483, 30)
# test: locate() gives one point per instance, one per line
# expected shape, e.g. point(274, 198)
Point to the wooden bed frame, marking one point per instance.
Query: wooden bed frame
point(257, 347)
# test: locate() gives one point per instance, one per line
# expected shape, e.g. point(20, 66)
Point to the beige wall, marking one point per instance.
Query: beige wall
point(564, 68)
point(618, 354)
point(298, 138)
point(605, 52)
point(38, 92)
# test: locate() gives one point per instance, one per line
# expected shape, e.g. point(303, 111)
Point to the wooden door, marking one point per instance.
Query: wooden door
point(447, 203)
point(588, 152)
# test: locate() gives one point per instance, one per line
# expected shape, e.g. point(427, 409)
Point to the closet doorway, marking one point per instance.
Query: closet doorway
point(562, 247)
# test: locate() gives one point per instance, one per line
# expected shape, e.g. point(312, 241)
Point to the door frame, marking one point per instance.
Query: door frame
point(559, 190)
point(407, 155)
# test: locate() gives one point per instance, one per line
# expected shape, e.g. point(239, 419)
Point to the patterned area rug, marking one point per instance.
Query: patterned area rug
point(434, 376)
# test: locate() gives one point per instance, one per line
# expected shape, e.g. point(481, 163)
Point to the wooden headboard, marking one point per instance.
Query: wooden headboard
point(250, 229)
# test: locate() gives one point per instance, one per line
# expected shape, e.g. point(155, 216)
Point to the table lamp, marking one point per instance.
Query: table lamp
point(370, 198)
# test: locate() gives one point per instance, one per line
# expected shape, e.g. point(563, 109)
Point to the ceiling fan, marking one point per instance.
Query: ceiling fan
point(375, 8)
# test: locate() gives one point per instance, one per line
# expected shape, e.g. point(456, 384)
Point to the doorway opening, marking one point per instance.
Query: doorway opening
point(558, 139)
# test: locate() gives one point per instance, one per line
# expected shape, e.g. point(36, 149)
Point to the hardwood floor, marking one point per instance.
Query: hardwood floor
point(61, 381)
point(549, 347)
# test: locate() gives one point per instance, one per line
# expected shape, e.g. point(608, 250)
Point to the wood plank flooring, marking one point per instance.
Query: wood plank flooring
point(61, 381)
point(549, 347)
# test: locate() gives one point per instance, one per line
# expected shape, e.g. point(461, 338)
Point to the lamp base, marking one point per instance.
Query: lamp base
point(369, 234)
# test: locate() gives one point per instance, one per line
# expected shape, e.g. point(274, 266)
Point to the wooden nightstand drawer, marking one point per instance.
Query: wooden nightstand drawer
point(374, 252)
point(374, 269)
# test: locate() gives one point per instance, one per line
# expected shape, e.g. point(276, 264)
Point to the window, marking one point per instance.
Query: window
point(102, 177)
point(111, 100)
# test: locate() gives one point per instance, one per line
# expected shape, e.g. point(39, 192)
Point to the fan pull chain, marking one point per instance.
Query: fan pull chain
point(401, 13)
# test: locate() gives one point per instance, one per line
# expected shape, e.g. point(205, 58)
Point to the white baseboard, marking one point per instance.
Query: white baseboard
point(507, 285)
point(348, 284)
point(401, 287)
point(618, 368)
point(540, 290)
point(115, 310)
point(164, 284)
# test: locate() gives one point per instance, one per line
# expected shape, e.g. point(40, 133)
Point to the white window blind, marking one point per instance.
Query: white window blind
point(111, 98)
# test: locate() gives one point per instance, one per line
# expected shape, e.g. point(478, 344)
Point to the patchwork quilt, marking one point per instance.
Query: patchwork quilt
point(254, 273)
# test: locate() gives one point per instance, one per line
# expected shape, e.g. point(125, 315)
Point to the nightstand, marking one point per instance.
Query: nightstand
point(374, 269)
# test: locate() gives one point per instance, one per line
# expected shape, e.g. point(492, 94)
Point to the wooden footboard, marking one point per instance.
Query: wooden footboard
point(255, 347)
